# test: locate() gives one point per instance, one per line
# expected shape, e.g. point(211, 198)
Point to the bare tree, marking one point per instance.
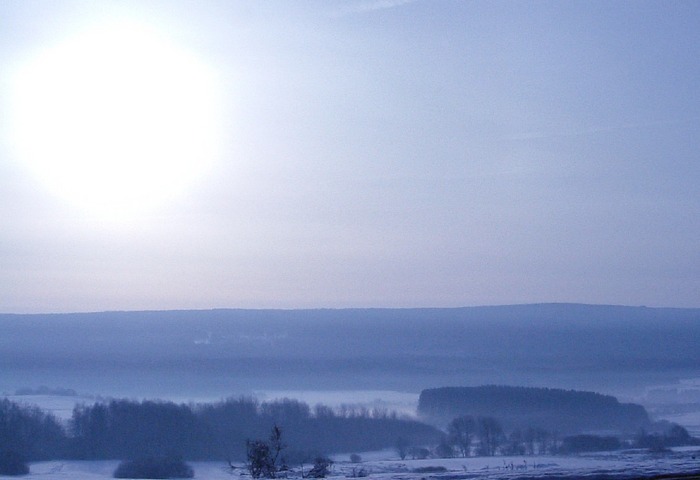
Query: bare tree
point(402, 446)
point(461, 431)
point(264, 460)
point(490, 435)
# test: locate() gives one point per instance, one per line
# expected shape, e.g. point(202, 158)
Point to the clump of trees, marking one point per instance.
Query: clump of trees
point(264, 459)
point(467, 435)
point(444, 449)
point(529, 441)
point(490, 435)
point(402, 446)
point(126, 429)
point(461, 431)
point(419, 453)
point(589, 443)
point(158, 467)
point(567, 411)
point(30, 434)
point(12, 463)
point(485, 436)
point(664, 436)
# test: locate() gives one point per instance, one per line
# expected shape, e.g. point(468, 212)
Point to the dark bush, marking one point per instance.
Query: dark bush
point(296, 456)
point(321, 468)
point(361, 472)
point(589, 443)
point(419, 453)
point(444, 450)
point(430, 469)
point(12, 463)
point(154, 467)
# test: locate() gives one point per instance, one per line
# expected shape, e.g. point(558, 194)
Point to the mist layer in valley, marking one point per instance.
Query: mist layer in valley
point(646, 355)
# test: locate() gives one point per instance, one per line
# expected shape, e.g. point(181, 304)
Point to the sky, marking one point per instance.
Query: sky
point(354, 153)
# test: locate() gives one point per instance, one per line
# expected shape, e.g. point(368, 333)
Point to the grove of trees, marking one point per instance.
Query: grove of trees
point(129, 429)
point(146, 432)
point(28, 434)
point(567, 411)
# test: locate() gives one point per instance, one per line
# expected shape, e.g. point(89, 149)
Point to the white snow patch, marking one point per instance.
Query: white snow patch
point(385, 466)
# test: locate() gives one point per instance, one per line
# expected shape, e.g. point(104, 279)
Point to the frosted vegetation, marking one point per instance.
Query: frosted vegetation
point(160, 439)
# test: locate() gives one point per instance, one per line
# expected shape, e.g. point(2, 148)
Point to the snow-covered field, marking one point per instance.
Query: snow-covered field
point(385, 465)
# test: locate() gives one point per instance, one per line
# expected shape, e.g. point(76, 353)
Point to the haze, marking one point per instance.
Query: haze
point(622, 350)
point(383, 154)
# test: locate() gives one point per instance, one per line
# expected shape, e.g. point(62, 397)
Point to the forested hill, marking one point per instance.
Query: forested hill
point(220, 352)
point(564, 411)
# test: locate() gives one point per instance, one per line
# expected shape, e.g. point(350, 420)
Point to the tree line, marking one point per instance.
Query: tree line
point(126, 429)
point(129, 429)
point(468, 435)
point(567, 411)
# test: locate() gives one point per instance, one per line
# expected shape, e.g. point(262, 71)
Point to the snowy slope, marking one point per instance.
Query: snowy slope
point(380, 465)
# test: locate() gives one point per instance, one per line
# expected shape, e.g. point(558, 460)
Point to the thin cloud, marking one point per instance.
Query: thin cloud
point(369, 6)
point(536, 135)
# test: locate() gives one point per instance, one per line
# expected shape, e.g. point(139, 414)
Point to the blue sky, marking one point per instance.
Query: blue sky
point(385, 153)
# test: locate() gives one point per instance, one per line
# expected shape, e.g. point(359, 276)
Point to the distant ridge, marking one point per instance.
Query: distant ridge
point(545, 307)
point(239, 350)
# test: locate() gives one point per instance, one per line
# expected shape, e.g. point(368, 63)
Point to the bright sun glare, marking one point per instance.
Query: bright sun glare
point(116, 120)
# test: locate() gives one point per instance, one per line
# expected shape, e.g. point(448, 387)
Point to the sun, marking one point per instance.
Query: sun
point(117, 119)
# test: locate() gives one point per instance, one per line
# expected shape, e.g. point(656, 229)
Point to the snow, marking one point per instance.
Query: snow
point(617, 465)
point(386, 466)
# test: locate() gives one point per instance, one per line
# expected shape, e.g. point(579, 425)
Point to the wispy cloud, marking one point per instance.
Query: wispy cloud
point(578, 132)
point(368, 6)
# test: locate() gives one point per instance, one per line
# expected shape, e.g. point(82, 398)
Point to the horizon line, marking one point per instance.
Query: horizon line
point(302, 309)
